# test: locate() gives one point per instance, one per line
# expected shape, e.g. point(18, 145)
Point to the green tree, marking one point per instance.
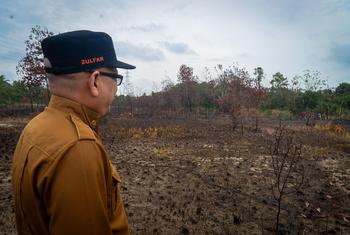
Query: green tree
point(342, 93)
point(343, 89)
point(10, 94)
point(279, 91)
point(19, 91)
point(279, 81)
point(308, 101)
point(5, 90)
point(259, 73)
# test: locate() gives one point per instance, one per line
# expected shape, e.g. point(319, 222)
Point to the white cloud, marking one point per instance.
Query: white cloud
point(147, 28)
point(177, 47)
point(285, 36)
point(140, 52)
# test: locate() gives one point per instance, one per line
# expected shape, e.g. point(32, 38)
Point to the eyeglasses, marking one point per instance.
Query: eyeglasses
point(116, 77)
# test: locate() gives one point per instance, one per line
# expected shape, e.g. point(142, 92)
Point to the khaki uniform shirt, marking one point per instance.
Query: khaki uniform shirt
point(63, 180)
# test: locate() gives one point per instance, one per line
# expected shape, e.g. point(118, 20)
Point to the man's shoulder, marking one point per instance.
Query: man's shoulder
point(83, 131)
point(52, 130)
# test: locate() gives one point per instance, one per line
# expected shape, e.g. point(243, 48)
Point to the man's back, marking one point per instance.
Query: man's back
point(62, 178)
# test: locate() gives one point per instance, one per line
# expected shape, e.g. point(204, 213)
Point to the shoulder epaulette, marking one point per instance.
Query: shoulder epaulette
point(83, 130)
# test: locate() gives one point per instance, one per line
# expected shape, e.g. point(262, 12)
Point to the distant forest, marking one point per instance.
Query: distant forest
point(230, 90)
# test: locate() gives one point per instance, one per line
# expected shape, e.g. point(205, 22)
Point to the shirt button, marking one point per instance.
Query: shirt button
point(93, 122)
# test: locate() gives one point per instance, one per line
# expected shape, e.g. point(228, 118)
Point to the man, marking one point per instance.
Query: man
point(63, 180)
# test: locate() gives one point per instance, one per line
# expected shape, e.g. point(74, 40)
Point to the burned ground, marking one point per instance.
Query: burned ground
point(200, 177)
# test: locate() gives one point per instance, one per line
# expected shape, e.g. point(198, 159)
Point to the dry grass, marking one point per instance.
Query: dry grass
point(150, 132)
point(330, 127)
point(339, 136)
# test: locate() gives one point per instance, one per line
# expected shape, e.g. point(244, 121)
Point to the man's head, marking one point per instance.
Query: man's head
point(82, 65)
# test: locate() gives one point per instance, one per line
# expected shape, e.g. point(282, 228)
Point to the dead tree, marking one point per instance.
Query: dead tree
point(31, 67)
point(187, 82)
point(288, 169)
point(257, 94)
point(233, 86)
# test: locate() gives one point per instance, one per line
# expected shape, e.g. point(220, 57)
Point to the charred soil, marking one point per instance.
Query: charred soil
point(200, 177)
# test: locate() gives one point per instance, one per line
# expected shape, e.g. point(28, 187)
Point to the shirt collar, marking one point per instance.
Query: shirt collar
point(86, 114)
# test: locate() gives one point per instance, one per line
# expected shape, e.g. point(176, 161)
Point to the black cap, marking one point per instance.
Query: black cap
point(79, 51)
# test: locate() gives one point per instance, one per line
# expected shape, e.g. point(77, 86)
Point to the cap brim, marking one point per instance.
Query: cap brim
point(123, 65)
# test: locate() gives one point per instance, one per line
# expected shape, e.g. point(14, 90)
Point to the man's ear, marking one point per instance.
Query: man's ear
point(94, 83)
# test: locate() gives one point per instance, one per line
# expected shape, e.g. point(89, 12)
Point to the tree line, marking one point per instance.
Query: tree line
point(230, 90)
point(233, 90)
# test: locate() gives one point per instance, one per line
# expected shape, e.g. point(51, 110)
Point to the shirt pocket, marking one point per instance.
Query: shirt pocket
point(116, 196)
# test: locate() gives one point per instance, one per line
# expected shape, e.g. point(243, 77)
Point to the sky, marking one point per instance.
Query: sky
point(287, 36)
